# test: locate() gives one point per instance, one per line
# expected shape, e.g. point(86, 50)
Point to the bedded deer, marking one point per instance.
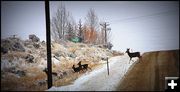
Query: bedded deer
point(132, 55)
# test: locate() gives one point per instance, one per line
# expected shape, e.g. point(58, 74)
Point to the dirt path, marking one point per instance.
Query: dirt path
point(146, 75)
point(99, 80)
point(150, 73)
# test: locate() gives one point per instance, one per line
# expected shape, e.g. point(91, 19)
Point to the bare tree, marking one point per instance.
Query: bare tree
point(92, 22)
point(60, 24)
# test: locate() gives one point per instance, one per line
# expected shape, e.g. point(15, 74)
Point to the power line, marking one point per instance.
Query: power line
point(143, 16)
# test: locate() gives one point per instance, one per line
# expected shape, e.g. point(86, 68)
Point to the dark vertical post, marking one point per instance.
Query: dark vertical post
point(105, 25)
point(107, 66)
point(48, 40)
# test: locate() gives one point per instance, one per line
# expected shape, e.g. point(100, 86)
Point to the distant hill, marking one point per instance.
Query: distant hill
point(149, 74)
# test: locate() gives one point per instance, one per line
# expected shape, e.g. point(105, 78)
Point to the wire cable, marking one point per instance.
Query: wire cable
point(143, 16)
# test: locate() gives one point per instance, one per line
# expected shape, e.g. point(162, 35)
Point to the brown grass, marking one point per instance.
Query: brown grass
point(28, 82)
point(15, 54)
point(11, 82)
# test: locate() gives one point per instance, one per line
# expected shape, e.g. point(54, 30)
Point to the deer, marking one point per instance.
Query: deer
point(84, 66)
point(76, 69)
point(132, 55)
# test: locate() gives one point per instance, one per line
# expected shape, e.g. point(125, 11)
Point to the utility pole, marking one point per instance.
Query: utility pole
point(104, 25)
point(48, 40)
point(80, 29)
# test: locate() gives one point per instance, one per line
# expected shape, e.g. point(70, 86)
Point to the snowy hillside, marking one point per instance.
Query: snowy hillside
point(23, 62)
point(98, 80)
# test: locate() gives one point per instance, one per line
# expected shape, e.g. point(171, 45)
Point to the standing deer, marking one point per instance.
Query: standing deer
point(132, 55)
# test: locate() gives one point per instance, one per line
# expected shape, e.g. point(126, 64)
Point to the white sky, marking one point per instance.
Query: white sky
point(140, 25)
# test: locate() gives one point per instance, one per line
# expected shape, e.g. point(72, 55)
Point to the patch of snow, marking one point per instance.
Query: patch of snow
point(99, 80)
point(5, 64)
point(55, 60)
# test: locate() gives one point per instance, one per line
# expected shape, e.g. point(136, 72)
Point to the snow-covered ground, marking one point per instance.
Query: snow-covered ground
point(98, 80)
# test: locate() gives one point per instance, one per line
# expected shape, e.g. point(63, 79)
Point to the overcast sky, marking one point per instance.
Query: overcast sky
point(140, 25)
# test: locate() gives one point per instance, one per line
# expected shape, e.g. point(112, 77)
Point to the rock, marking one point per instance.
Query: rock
point(18, 47)
point(34, 38)
point(20, 73)
point(36, 45)
point(43, 43)
point(29, 58)
point(4, 50)
point(12, 44)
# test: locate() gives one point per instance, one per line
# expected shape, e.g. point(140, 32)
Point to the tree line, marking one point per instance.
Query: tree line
point(64, 27)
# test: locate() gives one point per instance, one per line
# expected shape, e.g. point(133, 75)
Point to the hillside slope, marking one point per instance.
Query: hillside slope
point(150, 73)
point(23, 62)
point(99, 80)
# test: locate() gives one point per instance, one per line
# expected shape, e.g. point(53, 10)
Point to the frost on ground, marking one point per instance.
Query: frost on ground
point(23, 62)
point(98, 80)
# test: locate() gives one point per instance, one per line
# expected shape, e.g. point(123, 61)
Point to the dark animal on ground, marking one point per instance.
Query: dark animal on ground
point(84, 66)
point(76, 69)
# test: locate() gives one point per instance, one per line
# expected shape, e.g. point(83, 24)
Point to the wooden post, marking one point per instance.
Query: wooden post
point(107, 66)
point(48, 40)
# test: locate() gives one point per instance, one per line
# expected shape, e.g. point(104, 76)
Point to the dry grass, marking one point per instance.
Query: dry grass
point(29, 82)
point(72, 49)
point(26, 83)
point(11, 82)
point(15, 54)
point(34, 73)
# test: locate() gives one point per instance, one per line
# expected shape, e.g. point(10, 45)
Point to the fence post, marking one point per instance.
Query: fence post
point(107, 66)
